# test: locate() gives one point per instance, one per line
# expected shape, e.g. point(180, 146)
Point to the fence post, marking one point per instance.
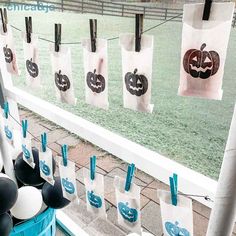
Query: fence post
point(62, 5)
point(82, 7)
point(144, 11)
point(102, 7)
point(123, 6)
point(166, 13)
point(234, 20)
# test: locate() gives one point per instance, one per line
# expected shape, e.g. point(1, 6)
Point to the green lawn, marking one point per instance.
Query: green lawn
point(189, 130)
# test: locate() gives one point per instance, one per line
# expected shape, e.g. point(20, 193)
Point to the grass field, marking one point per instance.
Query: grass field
point(189, 130)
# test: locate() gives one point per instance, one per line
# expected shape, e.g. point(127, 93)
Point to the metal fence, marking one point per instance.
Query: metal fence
point(113, 9)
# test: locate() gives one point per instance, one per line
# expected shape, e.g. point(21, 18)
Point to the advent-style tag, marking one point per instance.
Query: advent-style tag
point(204, 49)
point(8, 50)
point(176, 220)
point(137, 72)
point(96, 73)
point(46, 166)
point(95, 194)
point(68, 180)
point(31, 56)
point(62, 74)
point(27, 152)
point(128, 205)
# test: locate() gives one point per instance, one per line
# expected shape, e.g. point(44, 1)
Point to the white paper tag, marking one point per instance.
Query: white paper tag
point(46, 166)
point(68, 180)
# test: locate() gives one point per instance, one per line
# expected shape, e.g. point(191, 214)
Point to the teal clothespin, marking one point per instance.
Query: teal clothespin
point(6, 109)
point(92, 167)
point(24, 127)
point(129, 177)
point(44, 142)
point(174, 189)
point(64, 151)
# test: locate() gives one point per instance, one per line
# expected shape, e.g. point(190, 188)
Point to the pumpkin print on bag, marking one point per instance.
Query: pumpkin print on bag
point(175, 230)
point(8, 54)
point(129, 214)
point(62, 81)
point(135, 83)
point(68, 186)
point(96, 82)
point(201, 64)
point(94, 200)
point(32, 68)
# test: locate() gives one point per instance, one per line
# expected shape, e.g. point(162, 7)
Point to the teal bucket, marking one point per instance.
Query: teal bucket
point(41, 225)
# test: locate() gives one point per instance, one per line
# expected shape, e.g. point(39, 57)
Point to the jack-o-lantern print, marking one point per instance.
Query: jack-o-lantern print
point(128, 213)
point(136, 84)
point(201, 64)
point(175, 230)
point(8, 54)
point(32, 68)
point(96, 82)
point(62, 81)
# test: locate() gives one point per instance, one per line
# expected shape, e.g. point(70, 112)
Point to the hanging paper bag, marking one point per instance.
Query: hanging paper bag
point(31, 61)
point(27, 152)
point(176, 220)
point(137, 72)
point(96, 73)
point(204, 48)
point(9, 52)
point(95, 194)
point(62, 74)
point(128, 205)
point(46, 166)
point(68, 180)
point(9, 130)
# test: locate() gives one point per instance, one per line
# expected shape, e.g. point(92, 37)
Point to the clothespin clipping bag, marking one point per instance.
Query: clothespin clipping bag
point(94, 185)
point(67, 175)
point(128, 202)
point(176, 211)
point(46, 161)
point(61, 69)
point(137, 58)
point(96, 69)
point(31, 55)
point(8, 52)
point(205, 36)
point(26, 145)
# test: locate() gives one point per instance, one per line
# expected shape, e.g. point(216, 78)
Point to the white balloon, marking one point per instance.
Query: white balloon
point(28, 204)
point(4, 176)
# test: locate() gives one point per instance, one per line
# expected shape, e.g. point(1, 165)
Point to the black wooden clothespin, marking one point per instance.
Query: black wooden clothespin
point(138, 31)
point(207, 10)
point(57, 37)
point(4, 19)
point(93, 34)
point(28, 25)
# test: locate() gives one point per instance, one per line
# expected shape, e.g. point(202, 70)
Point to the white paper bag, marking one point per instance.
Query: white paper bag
point(27, 152)
point(96, 73)
point(31, 56)
point(137, 72)
point(95, 194)
point(9, 131)
point(128, 205)
point(204, 48)
point(176, 220)
point(68, 180)
point(46, 166)
point(62, 74)
point(8, 48)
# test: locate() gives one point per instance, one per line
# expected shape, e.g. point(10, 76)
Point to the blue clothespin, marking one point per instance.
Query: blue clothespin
point(174, 189)
point(129, 177)
point(64, 151)
point(6, 109)
point(92, 167)
point(44, 142)
point(24, 127)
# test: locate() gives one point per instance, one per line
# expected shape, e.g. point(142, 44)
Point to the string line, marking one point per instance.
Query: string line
point(109, 39)
point(207, 198)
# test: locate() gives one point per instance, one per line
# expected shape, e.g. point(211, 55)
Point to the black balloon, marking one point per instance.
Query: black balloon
point(53, 195)
point(6, 224)
point(27, 175)
point(8, 194)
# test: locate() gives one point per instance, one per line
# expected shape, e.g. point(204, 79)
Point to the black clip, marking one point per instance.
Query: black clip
point(4, 19)
point(93, 34)
point(207, 10)
point(28, 25)
point(138, 31)
point(57, 37)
